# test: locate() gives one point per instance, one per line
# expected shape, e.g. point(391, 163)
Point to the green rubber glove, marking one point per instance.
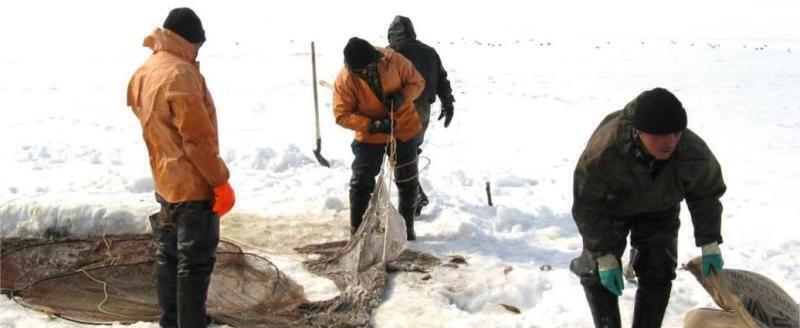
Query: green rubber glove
point(712, 258)
point(610, 274)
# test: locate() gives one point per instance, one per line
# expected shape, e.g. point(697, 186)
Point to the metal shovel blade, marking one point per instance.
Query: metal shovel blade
point(318, 154)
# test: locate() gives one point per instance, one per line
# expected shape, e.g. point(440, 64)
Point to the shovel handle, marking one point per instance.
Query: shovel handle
point(314, 77)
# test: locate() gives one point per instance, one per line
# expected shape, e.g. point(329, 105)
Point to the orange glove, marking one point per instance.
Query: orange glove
point(223, 199)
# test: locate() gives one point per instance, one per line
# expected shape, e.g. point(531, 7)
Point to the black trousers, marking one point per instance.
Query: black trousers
point(187, 234)
point(656, 242)
point(423, 107)
point(367, 165)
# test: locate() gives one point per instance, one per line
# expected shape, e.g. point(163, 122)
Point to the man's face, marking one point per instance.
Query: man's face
point(369, 67)
point(661, 146)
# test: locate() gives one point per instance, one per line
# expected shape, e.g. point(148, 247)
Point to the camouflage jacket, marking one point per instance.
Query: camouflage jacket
point(611, 184)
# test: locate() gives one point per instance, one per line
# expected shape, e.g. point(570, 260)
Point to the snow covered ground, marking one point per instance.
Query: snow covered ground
point(531, 82)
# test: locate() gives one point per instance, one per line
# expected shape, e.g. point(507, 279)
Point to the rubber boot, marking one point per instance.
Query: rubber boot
point(407, 207)
point(604, 306)
point(192, 291)
point(166, 269)
point(652, 299)
point(358, 206)
point(166, 287)
point(422, 201)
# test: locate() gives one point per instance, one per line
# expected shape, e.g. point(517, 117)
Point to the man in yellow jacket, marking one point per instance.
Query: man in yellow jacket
point(179, 125)
point(373, 95)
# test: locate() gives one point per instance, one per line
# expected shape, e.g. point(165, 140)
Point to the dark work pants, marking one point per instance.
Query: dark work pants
point(656, 242)
point(187, 234)
point(423, 107)
point(367, 165)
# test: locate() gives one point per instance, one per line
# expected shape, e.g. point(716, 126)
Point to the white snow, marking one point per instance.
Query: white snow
point(532, 80)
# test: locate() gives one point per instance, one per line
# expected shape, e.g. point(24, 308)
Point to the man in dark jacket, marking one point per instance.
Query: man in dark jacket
point(403, 39)
point(639, 164)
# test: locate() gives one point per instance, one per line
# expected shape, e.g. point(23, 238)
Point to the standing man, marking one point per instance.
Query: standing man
point(179, 124)
point(403, 39)
point(374, 82)
point(639, 164)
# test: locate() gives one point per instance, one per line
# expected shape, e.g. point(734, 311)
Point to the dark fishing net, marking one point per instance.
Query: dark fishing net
point(112, 278)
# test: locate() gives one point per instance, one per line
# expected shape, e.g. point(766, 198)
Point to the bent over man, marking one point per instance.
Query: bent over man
point(179, 125)
point(639, 164)
point(374, 83)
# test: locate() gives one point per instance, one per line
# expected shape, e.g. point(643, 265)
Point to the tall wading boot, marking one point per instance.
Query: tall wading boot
point(358, 206)
point(167, 289)
point(198, 237)
point(192, 292)
point(166, 268)
point(422, 201)
point(604, 306)
point(652, 299)
point(407, 207)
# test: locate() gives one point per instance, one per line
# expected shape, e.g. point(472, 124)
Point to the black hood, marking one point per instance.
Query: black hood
point(401, 29)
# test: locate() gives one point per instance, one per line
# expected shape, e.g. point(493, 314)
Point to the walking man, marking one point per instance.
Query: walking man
point(179, 124)
point(639, 164)
point(403, 39)
point(373, 96)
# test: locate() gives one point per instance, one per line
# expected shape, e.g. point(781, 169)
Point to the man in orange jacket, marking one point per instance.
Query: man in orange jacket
point(373, 95)
point(179, 124)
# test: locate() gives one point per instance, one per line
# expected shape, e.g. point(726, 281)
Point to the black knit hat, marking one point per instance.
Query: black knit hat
point(658, 111)
point(358, 53)
point(185, 23)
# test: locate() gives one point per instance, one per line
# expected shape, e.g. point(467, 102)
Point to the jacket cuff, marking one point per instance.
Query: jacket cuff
point(607, 262)
point(710, 248)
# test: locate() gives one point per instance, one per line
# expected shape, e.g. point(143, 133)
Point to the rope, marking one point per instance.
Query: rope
point(271, 253)
point(391, 162)
point(108, 250)
point(105, 291)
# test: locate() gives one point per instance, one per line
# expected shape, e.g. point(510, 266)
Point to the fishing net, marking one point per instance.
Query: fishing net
point(112, 278)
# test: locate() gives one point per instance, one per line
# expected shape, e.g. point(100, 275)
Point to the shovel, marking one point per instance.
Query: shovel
point(317, 151)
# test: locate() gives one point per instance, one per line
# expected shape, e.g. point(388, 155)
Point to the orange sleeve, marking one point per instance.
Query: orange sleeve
point(344, 105)
point(198, 133)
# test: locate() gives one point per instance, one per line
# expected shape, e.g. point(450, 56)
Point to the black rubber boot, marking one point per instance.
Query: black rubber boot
point(358, 206)
point(166, 287)
point(166, 268)
point(192, 291)
point(407, 207)
point(604, 306)
point(422, 201)
point(652, 299)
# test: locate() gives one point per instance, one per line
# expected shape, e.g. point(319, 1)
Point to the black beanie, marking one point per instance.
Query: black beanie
point(358, 53)
point(185, 23)
point(658, 111)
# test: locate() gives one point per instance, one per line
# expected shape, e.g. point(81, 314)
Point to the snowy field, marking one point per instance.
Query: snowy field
point(531, 83)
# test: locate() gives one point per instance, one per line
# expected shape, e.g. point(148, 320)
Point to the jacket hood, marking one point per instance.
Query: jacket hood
point(401, 29)
point(166, 40)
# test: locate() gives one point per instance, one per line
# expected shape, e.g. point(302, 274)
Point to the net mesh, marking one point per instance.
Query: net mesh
point(112, 278)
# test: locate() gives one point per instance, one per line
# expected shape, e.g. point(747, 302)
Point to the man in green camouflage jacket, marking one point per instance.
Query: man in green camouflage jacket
point(639, 164)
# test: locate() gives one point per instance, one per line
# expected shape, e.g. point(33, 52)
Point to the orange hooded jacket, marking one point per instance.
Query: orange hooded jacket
point(179, 122)
point(355, 105)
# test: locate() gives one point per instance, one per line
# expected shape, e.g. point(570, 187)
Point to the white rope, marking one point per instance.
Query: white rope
point(392, 161)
